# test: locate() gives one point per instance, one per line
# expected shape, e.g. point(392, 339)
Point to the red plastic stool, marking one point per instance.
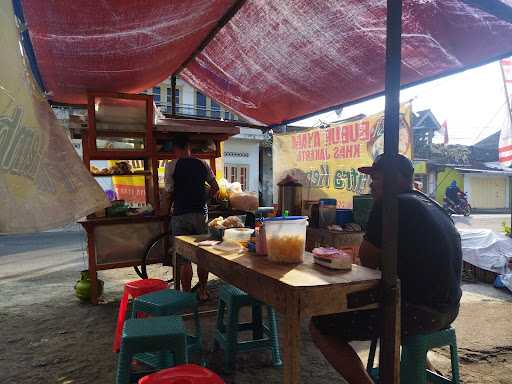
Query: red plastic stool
point(134, 289)
point(183, 374)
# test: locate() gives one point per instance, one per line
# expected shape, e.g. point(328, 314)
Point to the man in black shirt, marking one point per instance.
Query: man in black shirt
point(185, 183)
point(429, 268)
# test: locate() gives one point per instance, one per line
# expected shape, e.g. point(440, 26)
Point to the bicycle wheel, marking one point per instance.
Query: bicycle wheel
point(154, 252)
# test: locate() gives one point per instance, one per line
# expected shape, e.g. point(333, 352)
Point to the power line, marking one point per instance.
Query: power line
point(486, 125)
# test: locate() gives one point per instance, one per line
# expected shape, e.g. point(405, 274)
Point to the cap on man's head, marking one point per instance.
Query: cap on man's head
point(405, 167)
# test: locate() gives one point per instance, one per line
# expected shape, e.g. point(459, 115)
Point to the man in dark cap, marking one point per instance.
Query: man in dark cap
point(429, 267)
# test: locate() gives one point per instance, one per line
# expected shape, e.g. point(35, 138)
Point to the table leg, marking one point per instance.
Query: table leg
point(291, 345)
point(177, 271)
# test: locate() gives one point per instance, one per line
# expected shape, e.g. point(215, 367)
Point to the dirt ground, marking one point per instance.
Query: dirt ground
point(48, 336)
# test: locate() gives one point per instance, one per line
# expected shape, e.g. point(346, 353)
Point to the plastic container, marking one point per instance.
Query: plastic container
point(326, 212)
point(238, 234)
point(286, 239)
point(344, 216)
point(261, 240)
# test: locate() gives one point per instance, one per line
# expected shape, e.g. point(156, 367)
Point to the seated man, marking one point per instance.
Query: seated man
point(429, 267)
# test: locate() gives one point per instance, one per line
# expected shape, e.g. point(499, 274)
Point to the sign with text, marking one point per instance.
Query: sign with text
point(132, 189)
point(43, 182)
point(325, 160)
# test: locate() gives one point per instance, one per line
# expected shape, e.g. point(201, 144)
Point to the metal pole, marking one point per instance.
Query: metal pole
point(173, 96)
point(390, 339)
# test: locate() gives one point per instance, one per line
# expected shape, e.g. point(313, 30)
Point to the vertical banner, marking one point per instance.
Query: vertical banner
point(43, 183)
point(325, 160)
point(505, 143)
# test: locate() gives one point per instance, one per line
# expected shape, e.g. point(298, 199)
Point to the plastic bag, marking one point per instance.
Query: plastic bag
point(235, 188)
point(223, 189)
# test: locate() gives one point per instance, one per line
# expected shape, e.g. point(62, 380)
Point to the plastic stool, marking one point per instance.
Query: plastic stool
point(184, 374)
point(165, 335)
point(226, 336)
point(171, 302)
point(134, 289)
point(413, 359)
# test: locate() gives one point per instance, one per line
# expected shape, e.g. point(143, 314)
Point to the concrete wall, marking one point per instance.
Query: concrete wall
point(244, 152)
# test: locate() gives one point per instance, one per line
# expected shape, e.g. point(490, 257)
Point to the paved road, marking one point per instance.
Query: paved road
point(487, 221)
point(57, 250)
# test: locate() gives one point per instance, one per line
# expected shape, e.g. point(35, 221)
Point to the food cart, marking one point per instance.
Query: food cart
point(276, 62)
point(121, 129)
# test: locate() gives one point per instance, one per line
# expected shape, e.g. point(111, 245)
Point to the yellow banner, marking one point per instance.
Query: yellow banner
point(43, 182)
point(325, 160)
point(132, 188)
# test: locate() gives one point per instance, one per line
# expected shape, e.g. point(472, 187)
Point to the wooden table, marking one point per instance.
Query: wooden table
point(297, 291)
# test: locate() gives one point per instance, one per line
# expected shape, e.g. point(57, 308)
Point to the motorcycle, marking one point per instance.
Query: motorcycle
point(461, 208)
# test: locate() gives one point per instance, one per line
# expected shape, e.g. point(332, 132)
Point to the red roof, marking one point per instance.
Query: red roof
point(273, 61)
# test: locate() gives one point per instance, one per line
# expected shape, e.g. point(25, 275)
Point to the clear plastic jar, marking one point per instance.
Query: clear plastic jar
point(286, 239)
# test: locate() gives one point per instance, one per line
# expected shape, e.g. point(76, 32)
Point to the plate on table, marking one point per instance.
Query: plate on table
point(228, 246)
point(208, 243)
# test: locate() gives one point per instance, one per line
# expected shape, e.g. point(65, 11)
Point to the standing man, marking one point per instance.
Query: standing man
point(429, 267)
point(185, 184)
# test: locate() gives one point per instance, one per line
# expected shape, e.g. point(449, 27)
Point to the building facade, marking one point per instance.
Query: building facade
point(189, 101)
point(241, 152)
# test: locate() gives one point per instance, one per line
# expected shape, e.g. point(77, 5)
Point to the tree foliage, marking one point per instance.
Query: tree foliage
point(451, 154)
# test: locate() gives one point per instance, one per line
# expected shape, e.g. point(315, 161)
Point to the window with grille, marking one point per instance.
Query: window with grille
point(215, 112)
point(169, 100)
point(238, 173)
point(156, 95)
point(200, 104)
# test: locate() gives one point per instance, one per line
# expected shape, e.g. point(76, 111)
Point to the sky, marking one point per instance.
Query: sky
point(472, 103)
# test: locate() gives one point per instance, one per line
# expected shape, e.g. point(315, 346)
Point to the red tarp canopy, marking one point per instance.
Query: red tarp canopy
point(273, 61)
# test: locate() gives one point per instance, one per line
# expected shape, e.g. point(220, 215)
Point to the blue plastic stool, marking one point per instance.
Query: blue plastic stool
point(165, 335)
point(413, 359)
point(226, 335)
point(171, 302)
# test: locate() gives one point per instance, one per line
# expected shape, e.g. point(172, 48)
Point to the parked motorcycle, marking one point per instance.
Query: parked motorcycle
point(461, 208)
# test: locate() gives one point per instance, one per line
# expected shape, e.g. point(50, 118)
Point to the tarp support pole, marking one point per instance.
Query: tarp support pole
point(221, 23)
point(390, 338)
point(495, 8)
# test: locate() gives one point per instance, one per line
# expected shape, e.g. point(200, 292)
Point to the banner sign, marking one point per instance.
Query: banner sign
point(132, 189)
point(505, 142)
point(420, 167)
point(43, 182)
point(325, 160)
